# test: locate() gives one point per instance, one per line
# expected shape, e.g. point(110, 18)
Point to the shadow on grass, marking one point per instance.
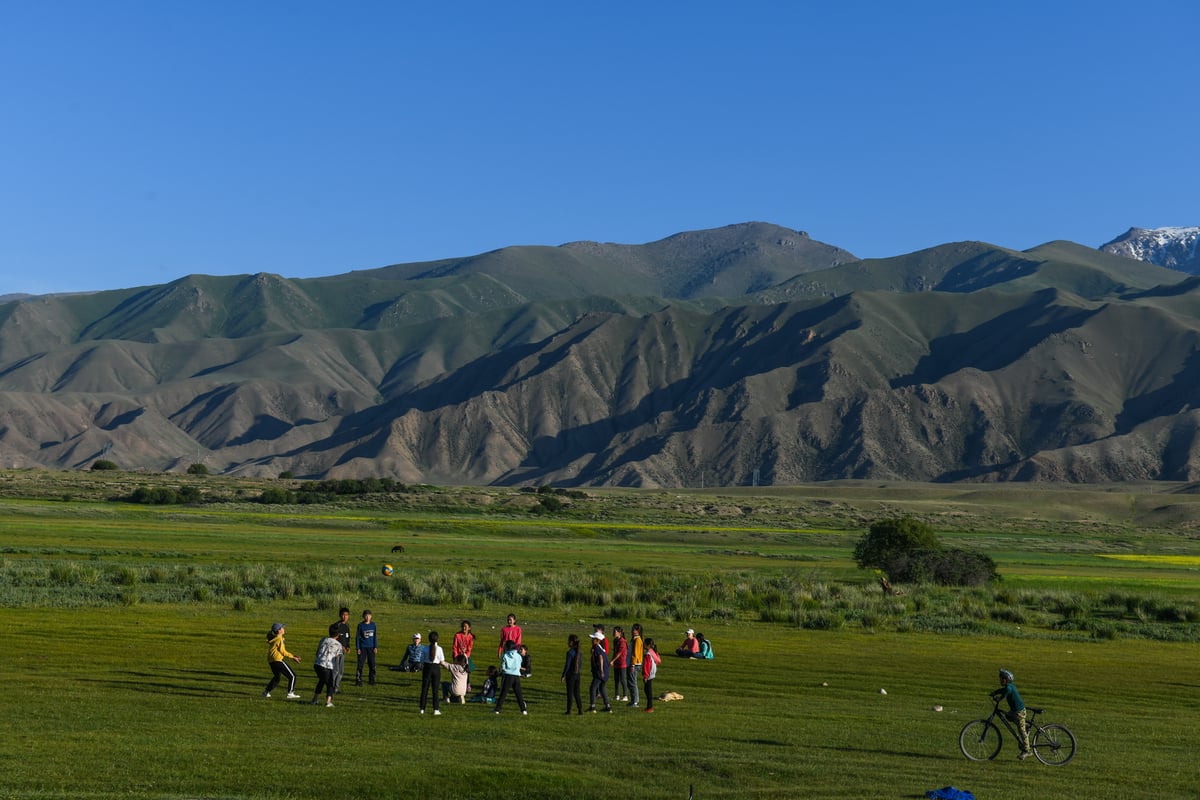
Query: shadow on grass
point(882, 752)
point(402, 694)
point(211, 683)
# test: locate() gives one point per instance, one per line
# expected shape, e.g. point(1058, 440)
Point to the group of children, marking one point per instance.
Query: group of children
point(331, 657)
point(625, 662)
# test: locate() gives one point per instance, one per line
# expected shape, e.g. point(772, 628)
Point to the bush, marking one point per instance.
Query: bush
point(908, 551)
point(890, 536)
point(276, 496)
point(951, 567)
point(197, 469)
point(103, 464)
point(153, 496)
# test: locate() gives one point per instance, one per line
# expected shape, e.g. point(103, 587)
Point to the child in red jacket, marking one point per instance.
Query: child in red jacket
point(650, 662)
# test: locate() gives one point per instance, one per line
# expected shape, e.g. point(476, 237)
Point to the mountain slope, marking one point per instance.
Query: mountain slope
point(964, 361)
point(1176, 248)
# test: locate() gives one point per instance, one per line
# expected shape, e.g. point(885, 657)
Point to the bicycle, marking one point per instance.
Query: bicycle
point(1052, 744)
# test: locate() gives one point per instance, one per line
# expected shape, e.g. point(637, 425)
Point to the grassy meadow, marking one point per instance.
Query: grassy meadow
point(136, 652)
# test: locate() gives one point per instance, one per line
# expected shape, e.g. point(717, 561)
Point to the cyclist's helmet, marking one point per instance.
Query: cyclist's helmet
point(1005, 675)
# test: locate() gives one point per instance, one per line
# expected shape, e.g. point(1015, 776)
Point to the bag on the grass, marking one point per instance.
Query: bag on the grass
point(949, 793)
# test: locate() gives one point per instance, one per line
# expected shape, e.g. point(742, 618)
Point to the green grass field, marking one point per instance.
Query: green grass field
point(136, 652)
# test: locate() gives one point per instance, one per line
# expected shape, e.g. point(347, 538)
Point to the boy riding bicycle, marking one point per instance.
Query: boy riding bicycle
point(1016, 709)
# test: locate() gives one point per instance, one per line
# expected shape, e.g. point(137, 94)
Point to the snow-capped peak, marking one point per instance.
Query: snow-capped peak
point(1176, 248)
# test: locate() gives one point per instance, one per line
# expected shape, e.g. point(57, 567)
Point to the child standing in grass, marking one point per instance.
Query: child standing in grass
point(277, 656)
point(511, 632)
point(510, 677)
point(601, 669)
point(637, 650)
point(620, 662)
point(464, 643)
point(650, 662)
point(431, 674)
point(570, 673)
point(325, 665)
point(367, 646)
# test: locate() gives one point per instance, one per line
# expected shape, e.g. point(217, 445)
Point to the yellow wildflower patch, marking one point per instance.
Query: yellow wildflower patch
point(1175, 561)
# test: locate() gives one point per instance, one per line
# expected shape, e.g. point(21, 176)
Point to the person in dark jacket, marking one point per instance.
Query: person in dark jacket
point(570, 673)
point(340, 630)
point(367, 646)
point(600, 673)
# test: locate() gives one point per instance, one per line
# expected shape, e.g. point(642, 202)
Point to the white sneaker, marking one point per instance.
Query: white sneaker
point(266, 695)
point(422, 711)
point(293, 696)
point(329, 704)
point(526, 713)
point(437, 713)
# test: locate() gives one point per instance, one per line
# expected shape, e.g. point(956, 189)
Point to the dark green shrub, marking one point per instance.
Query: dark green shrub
point(908, 551)
point(548, 504)
point(276, 496)
point(890, 536)
point(103, 464)
point(154, 496)
point(197, 469)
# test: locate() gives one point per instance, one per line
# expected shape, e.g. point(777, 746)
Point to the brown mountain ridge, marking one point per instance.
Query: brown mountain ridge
point(711, 357)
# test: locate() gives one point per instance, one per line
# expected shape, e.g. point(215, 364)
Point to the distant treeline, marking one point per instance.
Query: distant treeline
point(307, 492)
point(310, 492)
point(317, 492)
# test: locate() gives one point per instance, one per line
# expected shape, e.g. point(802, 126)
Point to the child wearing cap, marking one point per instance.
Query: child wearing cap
point(414, 655)
point(367, 646)
point(690, 646)
point(276, 658)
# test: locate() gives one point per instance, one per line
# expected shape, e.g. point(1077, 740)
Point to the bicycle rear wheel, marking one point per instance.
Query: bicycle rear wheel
point(979, 740)
point(1054, 745)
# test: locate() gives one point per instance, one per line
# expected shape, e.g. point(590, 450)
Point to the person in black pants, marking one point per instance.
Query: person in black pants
point(340, 630)
point(600, 673)
point(367, 645)
point(570, 673)
point(510, 676)
point(431, 674)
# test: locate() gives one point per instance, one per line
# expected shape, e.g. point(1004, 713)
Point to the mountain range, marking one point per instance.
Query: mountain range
point(1177, 248)
point(749, 353)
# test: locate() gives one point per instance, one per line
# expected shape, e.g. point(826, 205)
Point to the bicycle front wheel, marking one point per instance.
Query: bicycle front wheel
point(1054, 745)
point(979, 740)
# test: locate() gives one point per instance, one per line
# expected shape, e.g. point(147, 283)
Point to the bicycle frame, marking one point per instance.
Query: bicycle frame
point(1030, 721)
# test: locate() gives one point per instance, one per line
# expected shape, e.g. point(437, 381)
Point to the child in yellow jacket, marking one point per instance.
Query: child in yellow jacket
point(277, 656)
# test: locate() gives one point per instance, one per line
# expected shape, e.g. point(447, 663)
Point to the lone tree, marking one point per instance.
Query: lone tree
point(908, 550)
point(890, 536)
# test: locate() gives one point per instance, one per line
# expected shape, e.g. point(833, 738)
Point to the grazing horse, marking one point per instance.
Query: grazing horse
point(398, 548)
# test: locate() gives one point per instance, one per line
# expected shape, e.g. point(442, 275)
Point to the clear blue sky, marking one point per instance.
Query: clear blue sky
point(144, 141)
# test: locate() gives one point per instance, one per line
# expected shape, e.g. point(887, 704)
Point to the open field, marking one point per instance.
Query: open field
point(136, 643)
